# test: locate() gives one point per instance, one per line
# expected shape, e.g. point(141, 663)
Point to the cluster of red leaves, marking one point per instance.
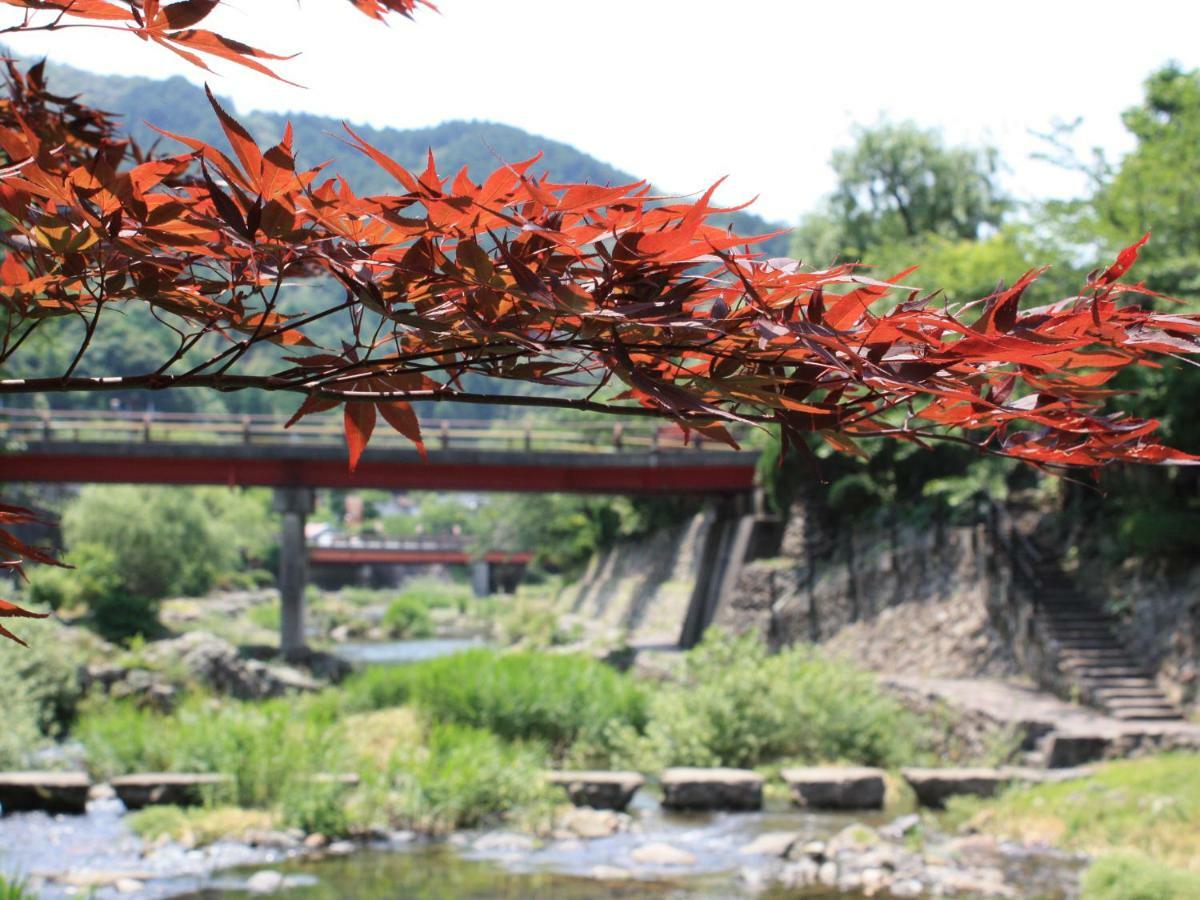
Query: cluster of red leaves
point(13, 552)
point(558, 284)
point(173, 25)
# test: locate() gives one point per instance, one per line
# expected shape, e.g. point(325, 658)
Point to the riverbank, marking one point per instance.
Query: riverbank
point(444, 759)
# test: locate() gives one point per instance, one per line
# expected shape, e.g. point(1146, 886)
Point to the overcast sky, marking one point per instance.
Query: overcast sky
point(684, 91)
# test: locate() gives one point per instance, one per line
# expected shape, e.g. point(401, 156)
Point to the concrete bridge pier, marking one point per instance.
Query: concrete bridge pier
point(294, 504)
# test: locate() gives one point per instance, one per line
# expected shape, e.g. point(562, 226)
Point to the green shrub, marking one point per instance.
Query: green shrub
point(118, 616)
point(45, 676)
point(20, 735)
point(1125, 876)
point(408, 617)
point(558, 699)
point(465, 776)
point(435, 593)
point(737, 705)
point(1160, 532)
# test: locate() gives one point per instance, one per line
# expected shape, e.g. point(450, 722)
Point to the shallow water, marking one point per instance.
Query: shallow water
point(501, 866)
point(391, 653)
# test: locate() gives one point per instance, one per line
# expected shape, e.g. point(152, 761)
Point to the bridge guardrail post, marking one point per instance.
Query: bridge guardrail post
point(146, 427)
point(245, 429)
point(618, 436)
point(46, 426)
point(528, 439)
point(445, 435)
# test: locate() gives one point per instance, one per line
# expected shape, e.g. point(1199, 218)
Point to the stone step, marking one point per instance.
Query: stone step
point(53, 792)
point(1109, 694)
point(1088, 670)
point(1107, 683)
point(165, 788)
point(598, 789)
point(711, 789)
point(1099, 655)
point(836, 787)
point(1154, 714)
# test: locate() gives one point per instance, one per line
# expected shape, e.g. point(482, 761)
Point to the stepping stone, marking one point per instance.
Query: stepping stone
point(730, 789)
point(598, 789)
point(54, 792)
point(836, 787)
point(1068, 750)
point(164, 788)
point(934, 787)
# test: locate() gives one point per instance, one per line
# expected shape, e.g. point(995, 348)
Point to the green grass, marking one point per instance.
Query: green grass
point(197, 826)
point(1125, 876)
point(1152, 804)
point(266, 748)
point(434, 777)
point(15, 889)
point(557, 699)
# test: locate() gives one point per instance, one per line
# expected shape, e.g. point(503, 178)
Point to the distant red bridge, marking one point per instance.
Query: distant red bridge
point(447, 551)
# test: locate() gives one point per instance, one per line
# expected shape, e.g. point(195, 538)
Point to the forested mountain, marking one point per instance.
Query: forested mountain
point(177, 105)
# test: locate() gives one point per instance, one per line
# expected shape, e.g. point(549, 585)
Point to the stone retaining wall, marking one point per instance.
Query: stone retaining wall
point(919, 600)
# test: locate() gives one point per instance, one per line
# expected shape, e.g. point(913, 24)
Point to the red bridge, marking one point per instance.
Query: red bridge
point(183, 448)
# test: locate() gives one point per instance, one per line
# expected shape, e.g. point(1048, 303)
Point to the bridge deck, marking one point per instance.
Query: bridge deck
point(80, 447)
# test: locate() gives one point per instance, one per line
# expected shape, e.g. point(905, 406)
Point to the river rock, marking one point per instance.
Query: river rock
point(898, 828)
point(610, 873)
point(264, 882)
point(128, 885)
point(598, 789)
point(836, 787)
point(852, 839)
point(55, 792)
point(164, 788)
point(719, 788)
point(506, 842)
point(662, 855)
point(771, 843)
point(934, 787)
point(586, 822)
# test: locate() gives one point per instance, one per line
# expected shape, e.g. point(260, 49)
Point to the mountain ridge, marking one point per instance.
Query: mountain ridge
point(175, 104)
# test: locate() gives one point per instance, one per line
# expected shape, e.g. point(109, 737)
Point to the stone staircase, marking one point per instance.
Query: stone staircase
point(1090, 654)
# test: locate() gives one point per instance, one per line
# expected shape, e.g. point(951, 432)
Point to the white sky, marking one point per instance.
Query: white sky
point(684, 91)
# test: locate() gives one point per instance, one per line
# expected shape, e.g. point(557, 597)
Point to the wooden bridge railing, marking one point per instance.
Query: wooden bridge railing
point(125, 426)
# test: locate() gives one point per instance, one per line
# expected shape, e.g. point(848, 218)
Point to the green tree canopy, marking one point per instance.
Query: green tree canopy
point(899, 182)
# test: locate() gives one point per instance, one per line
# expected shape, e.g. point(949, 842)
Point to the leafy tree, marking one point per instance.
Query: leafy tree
point(133, 546)
point(900, 183)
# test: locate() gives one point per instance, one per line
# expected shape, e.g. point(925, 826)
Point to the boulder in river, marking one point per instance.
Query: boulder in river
point(715, 789)
point(54, 792)
point(598, 789)
point(836, 787)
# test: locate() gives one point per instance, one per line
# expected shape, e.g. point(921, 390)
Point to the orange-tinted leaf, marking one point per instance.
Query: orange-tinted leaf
point(359, 421)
